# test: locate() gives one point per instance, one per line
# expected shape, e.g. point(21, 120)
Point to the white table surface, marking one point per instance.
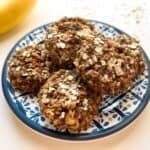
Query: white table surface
point(132, 17)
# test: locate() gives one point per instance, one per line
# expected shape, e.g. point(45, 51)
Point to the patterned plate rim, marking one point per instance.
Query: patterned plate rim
point(65, 136)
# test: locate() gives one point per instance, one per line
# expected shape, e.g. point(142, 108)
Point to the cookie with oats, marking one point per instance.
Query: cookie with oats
point(65, 37)
point(110, 65)
point(29, 68)
point(67, 103)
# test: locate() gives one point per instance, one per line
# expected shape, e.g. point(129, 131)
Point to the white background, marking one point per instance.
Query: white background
point(130, 16)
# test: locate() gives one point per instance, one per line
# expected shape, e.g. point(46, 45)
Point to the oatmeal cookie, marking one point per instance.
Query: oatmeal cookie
point(110, 65)
point(67, 103)
point(29, 68)
point(65, 37)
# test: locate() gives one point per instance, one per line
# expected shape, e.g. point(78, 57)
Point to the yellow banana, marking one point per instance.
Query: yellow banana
point(12, 12)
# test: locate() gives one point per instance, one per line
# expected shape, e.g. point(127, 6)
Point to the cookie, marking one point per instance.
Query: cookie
point(67, 102)
point(110, 65)
point(29, 68)
point(65, 37)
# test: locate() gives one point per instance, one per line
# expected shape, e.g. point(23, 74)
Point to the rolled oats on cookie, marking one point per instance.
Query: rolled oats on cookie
point(67, 103)
point(29, 68)
point(65, 37)
point(111, 64)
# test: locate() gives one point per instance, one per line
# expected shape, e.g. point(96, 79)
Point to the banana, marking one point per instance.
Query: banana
point(13, 12)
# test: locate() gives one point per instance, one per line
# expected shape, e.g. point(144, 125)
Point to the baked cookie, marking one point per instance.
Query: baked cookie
point(65, 37)
point(110, 65)
point(67, 103)
point(29, 68)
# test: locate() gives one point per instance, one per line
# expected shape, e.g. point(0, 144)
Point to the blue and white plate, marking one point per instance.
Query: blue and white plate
point(114, 114)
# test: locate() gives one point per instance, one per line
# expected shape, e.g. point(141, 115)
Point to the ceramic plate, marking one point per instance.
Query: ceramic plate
point(114, 114)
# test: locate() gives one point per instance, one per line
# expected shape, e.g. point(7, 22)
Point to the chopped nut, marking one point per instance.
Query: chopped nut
point(63, 86)
point(85, 33)
point(102, 42)
point(26, 54)
point(18, 68)
point(103, 63)
point(85, 56)
point(75, 91)
point(51, 89)
point(118, 70)
point(62, 115)
point(50, 36)
point(94, 58)
point(133, 46)
point(90, 61)
point(73, 97)
point(63, 91)
point(85, 102)
point(135, 52)
point(25, 74)
point(46, 100)
point(61, 45)
point(99, 50)
point(70, 77)
point(98, 40)
point(85, 108)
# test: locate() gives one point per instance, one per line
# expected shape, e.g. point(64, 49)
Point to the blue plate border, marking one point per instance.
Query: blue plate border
point(68, 136)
